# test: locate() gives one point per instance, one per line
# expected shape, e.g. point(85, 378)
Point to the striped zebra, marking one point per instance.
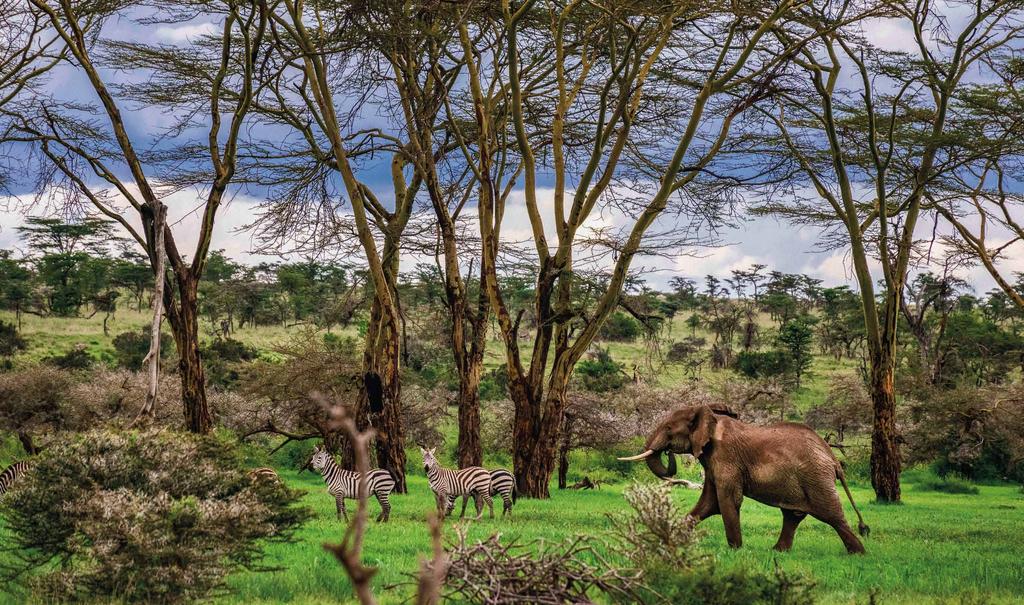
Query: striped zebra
point(11, 474)
point(345, 484)
point(502, 482)
point(445, 482)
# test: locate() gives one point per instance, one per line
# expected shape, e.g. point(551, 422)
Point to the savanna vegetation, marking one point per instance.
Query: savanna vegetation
point(167, 397)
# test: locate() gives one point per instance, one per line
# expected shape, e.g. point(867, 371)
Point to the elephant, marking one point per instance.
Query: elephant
point(786, 465)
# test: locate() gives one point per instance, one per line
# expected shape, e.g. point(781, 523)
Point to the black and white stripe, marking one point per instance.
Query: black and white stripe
point(345, 484)
point(502, 483)
point(448, 483)
point(11, 474)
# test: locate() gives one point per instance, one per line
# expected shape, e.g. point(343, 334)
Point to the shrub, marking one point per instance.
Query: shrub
point(600, 373)
point(143, 517)
point(978, 434)
point(949, 484)
point(494, 384)
point(276, 394)
point(847, 408)
point(655, 531)
point(659, 539)
point(10, 341)
point(762, 364)
point(76, 359)
point(685, 349)
point(221, 359)
point(620, 327)
point(33, 400)
point(130, 348)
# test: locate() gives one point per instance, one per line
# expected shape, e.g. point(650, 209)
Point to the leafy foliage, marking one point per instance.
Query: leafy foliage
point(156, 516)
point(600, 373)
point(621, 327)
point(131, 348)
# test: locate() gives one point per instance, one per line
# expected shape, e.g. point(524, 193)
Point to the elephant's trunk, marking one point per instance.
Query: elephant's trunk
point(654, 463)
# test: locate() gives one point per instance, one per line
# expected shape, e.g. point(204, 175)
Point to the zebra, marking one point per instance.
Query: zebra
point(502, 482)
point(345, 484)
point(446, 482)
point(11, 474)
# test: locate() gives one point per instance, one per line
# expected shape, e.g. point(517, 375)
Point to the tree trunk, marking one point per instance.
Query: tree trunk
point(184, 321)
point(385, 410)
point(885, 451)
point(563, 453)
point(380, 403)
point(536, 435)
point(470, 452)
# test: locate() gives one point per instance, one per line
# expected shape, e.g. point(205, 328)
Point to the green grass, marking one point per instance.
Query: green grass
point(935, 548)
point(932, 548)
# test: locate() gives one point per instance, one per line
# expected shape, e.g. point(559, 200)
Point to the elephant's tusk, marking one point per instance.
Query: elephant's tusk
point(638, 456)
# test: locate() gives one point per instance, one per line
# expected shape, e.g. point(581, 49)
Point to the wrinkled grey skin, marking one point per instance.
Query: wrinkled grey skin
point(785, 465)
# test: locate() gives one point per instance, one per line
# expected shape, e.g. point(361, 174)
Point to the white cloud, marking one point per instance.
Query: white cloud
point(179, 34)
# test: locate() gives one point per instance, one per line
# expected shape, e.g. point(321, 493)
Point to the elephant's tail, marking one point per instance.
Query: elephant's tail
point(862, 527)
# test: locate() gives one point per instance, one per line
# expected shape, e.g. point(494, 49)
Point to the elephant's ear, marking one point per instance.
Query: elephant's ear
point(701, 430)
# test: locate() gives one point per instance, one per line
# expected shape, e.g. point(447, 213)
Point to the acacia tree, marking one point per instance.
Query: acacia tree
point(332, 63)
point(590, 89)
point(29, 50)
point(870, 147)
point(981, 202)
point(87, 165)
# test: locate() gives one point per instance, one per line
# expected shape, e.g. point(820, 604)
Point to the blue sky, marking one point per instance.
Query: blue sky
point(767, 241)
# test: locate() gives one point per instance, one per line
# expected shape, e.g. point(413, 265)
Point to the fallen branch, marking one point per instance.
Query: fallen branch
point(586, 483)
point(684, 483)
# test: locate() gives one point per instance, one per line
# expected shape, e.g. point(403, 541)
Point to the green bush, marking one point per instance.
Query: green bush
point(221, 358)
point(156, 517)
point(130, 348)
point(601, 374)
point(708, 584)
point(10, 341)
point(762, 364)
point(76, 359)
point(949, 484)
point(621, 327)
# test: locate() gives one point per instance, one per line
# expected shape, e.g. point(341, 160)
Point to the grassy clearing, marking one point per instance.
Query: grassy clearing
point(936, 548)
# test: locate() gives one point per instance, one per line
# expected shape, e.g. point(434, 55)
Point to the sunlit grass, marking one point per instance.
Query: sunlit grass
point(933, 547)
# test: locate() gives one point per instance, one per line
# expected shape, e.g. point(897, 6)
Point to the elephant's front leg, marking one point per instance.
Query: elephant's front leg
point(730, 496)
point(707, 504)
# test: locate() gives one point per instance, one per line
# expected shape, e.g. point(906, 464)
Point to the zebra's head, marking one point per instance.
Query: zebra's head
point(321, 458)
point(429, 460)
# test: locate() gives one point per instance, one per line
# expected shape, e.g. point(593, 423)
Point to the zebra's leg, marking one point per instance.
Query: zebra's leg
point(385, 507)
point(506, 508)
point(478, 500)
point(449, 507)
point(340, 503)
point(465, 501)
point(490, 503)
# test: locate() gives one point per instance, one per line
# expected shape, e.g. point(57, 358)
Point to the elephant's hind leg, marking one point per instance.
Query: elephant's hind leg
point(838, 522)
point(790, 520)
